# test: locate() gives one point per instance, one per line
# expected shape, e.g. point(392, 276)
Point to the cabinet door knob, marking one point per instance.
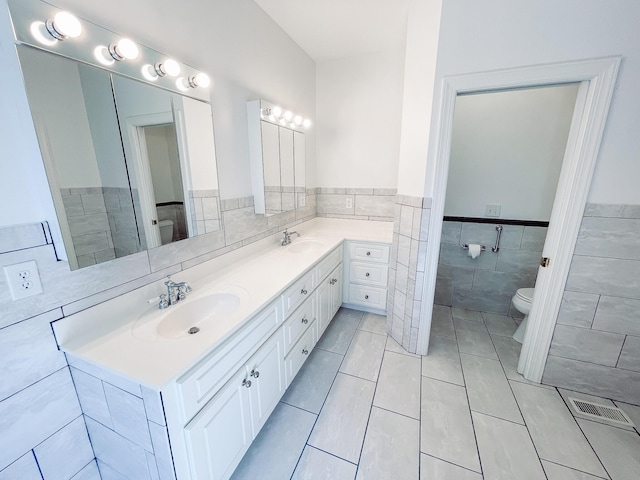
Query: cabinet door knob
point(366, 297)
point(303, 291)
point(368, 254)
point(305, 351)
point(246, 383)
point(255, 373)
point(305, 321)
point(366, 274)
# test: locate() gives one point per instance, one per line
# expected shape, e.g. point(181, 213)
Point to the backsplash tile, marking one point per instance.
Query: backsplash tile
point(23, 468)
point(367, 203)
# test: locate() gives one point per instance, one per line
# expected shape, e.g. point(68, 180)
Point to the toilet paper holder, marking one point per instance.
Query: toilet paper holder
point(466, 247)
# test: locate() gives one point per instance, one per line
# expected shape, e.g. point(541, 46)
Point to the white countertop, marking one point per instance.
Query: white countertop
point(104, 335)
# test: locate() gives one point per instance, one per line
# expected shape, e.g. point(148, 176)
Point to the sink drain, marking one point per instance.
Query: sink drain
point(193, 330)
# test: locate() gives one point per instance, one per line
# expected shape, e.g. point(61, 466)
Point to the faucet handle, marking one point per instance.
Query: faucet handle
point(164, 302)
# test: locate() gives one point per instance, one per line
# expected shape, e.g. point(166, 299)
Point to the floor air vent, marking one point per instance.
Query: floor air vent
point(596, 410)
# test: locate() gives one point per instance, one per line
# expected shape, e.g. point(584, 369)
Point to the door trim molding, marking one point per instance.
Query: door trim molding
point(597, 78)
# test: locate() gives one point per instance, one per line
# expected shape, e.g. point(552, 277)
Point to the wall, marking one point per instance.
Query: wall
point(248, 57)
point(507, 149)
point(487, 282)
point(596, 342)
point(358, 120)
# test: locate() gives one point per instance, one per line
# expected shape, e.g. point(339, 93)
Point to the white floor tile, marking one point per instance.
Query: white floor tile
point(339, 333)
point(473, 338)
point(446, 430)
point(395, 347)
point(318, 465)
point(398, 387)
point(432, 468)
point(488, 388)
point(389, 432)
point(311, 385)
point(443, 360)
point(509, 354)
point(374, 323)
point(442, 322)
point(554, 431)
point(506, 450)
point(275, 451)
point(566, 394)
point(364, 357)
point(343, 420)
point(559, 472)
point(619, 450)
point(499, 324)
point(466, 314)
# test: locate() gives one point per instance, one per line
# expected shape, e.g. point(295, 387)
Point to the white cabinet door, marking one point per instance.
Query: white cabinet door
point(266, 373)
point(221, 433)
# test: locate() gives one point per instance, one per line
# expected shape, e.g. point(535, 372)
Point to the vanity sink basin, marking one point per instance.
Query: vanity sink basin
point(305, 245)
point(191, 316)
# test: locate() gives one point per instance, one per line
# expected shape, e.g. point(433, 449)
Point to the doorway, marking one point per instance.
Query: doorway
point(597, 80)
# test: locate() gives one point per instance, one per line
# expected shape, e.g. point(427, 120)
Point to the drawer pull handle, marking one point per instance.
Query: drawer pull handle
point(366, 274)
point(246, 383)
point(255, 373)
point(305, 321)
point(303, 291)
point(305, 351)
point(366, 297)
point(368, 254)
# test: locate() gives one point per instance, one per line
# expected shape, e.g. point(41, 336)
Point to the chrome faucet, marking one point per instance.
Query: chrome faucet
point(175, 293)
point(287, 237)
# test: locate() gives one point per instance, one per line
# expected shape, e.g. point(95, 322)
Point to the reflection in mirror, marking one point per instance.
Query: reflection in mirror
point(277, 153)
point(123, 159)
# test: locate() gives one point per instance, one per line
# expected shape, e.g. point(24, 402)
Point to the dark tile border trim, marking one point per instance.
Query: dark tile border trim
point(496, 221)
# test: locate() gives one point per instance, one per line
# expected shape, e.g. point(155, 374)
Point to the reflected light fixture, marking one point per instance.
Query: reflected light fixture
point(168, 67)
point(101, 54)
point(64, 25)
point(286, 118)
point(297, 120)
point(125, 49)
point(277, 112)
point(288, 115)
point(149, 72)
point(182, 84)
point(306, 123)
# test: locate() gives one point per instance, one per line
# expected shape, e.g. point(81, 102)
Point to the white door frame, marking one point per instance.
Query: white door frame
point(597, 78)
point(140, 160)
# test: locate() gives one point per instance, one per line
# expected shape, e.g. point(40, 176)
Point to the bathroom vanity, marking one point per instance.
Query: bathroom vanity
point(258, 311)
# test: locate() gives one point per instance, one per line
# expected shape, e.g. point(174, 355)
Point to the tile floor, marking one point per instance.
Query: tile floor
point(363, 408)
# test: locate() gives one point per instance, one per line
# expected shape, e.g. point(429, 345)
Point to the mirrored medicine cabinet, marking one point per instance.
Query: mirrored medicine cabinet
point(278, 159)
point(131, 163)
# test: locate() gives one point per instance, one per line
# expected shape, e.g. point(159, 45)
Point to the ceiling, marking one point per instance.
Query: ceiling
point(330, 29)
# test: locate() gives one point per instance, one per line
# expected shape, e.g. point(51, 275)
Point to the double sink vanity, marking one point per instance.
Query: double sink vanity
point(216, 363)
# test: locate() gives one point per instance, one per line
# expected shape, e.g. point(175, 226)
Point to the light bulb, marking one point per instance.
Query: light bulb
point(277, 111)
point(168, 67)
point(124, 49)
point(288, 115)
point(64, 25)
point(200, 80)
point(298, 120)
point(272, 118)
point(306, 123)
point(283, 122)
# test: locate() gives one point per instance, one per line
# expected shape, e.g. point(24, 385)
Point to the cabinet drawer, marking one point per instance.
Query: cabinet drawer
point(370, 296)
point(299, 322)
point(298, 292)
point(299, 353)
point(369, 252)
point(329, 263)
point(199, 385)
point(368, 273)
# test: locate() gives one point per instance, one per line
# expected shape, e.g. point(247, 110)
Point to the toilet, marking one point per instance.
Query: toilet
point(522, 302)
point(166, 231)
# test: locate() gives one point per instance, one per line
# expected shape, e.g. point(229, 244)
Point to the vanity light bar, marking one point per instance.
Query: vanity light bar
point(286, 118)
point(60, 25)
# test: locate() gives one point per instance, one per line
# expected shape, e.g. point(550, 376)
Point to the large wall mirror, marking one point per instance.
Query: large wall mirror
point(278, 156)
point(131, 165)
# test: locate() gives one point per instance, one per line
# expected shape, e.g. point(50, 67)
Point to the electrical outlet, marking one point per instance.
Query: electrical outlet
point(492, 210)
point(23, 279)
point(302, 201)
point(349, 202)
